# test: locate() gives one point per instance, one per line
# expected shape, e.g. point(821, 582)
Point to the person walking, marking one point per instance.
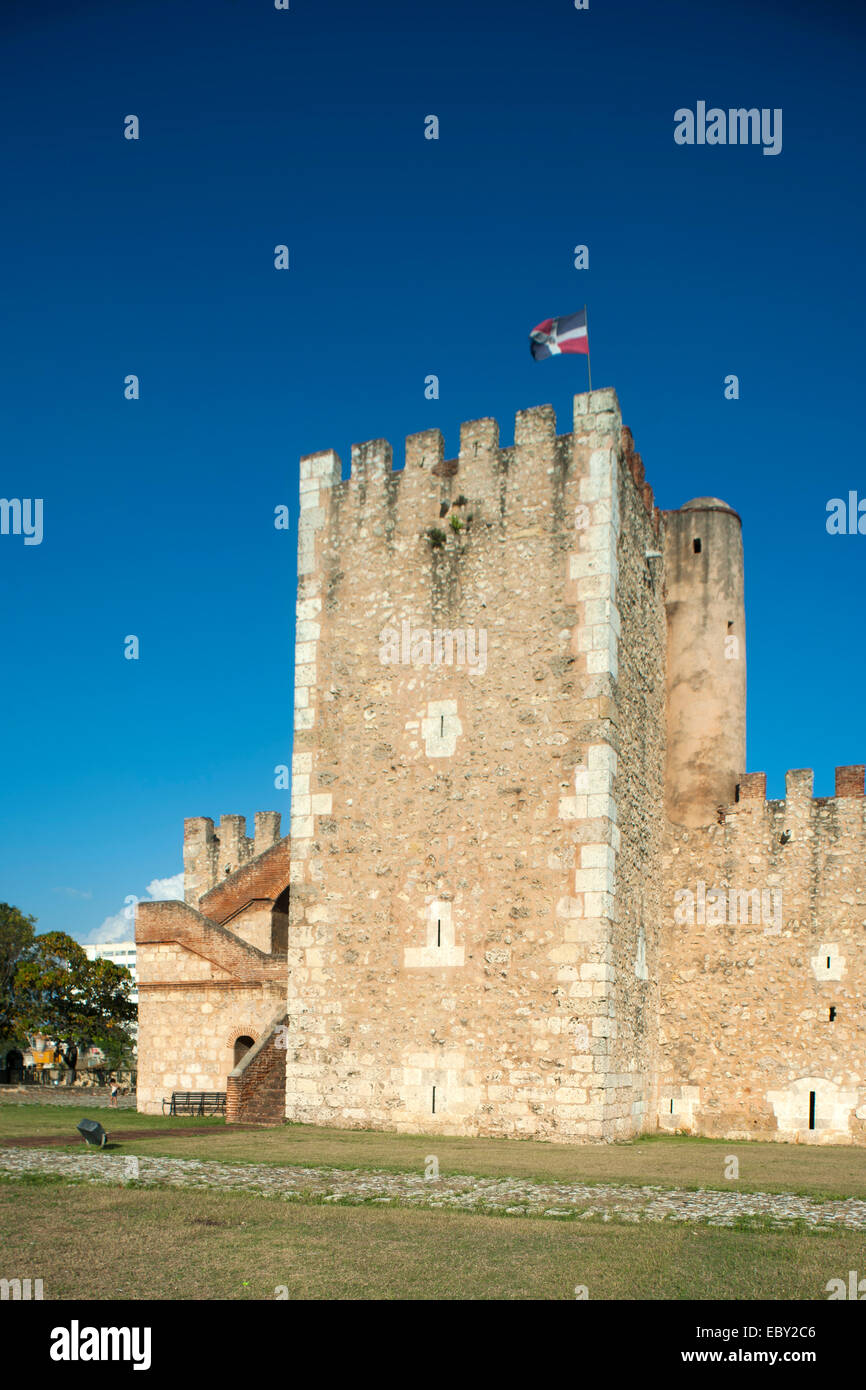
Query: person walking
point(113, 1101)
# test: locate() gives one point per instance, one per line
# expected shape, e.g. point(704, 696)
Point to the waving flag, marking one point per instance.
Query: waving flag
point(559, 335)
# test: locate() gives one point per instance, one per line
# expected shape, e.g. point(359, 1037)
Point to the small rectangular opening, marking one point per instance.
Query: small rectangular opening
point(439, 932)
point(832, 1013)
point(811, 1109)
point(442, 726)
point(672, 1107)
point(696, 544)
point(828, 962)
point(434, 1100)
point(730, 627)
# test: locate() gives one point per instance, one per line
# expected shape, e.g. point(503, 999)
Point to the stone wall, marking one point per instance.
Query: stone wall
point(210, 855)
point(749, 1046)
point(204, 983)
point(637, 738)
point(453, 948)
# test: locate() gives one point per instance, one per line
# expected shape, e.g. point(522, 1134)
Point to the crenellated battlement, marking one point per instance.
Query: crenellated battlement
point(799, 782)
point(777, 824)
point(755, 830)
point(211, 853)
point(491, 476)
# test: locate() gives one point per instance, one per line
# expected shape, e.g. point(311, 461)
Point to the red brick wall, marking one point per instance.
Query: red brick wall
point(849, 780)
point(256, 1089)
point(752, 786)
point(265, 877)
point(176, 921)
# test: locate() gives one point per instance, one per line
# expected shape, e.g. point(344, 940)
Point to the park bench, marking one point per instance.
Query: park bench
point(196, 1103)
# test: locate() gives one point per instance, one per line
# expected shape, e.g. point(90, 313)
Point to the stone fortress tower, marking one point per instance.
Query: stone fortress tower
point(519, 761)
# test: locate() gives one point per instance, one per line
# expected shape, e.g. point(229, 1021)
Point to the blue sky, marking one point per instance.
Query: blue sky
point(408, 257)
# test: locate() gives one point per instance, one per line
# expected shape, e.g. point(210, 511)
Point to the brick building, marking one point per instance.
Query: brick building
point(212, 969)
point(529, 888)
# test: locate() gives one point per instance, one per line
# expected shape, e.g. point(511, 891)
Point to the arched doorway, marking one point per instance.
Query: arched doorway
point(280, 924)
point(242, 1047)
point(14, 1066)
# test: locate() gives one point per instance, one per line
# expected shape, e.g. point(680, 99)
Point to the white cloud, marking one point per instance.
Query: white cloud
point(121, 925)
point(162, 889)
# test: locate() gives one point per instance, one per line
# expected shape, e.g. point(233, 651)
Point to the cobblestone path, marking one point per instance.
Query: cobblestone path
point(512, 1196)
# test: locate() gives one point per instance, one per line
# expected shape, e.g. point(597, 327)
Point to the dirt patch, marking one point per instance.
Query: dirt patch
point(47, 1141)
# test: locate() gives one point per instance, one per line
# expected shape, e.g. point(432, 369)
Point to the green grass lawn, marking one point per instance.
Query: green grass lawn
point(22, 1120)
point(667, 1160)
point(100, 1243)
point(191, 1244)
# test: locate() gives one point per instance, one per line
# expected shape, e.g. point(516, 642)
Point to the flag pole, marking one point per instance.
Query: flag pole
point(588, 363)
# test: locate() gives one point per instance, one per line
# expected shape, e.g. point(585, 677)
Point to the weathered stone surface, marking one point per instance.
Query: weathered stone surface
point(470, 926)
point(748, 1047)
point(519, 747)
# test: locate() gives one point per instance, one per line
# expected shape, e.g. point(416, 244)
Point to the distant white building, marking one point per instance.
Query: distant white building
point(121, 952)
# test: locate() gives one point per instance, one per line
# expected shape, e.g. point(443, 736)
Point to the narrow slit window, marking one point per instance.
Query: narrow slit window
point(439, 931)
point(442, 726)
point(811, 1109)
point(434, 1100)
point(832, 1013)
point(696, 545)
point(672, 1107)
point(828, 962)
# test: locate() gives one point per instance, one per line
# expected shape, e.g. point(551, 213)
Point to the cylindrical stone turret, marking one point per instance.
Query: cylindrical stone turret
point(706, 669)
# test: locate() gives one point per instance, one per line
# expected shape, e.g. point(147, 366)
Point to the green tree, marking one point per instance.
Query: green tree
point(111, 985)
point(78, 1002)
point(16, 941)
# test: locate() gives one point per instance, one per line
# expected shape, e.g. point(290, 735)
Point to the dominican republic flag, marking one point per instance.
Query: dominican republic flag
point(559, 335)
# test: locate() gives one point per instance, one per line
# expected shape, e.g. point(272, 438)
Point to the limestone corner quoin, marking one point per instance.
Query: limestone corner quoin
point(488, 858)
